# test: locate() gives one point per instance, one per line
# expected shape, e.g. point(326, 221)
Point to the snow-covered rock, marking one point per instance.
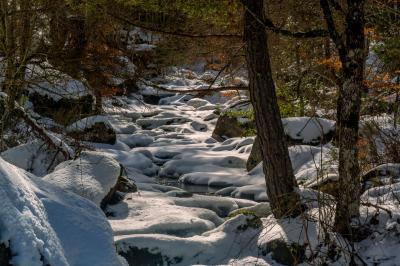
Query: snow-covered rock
point(35, 157)
point(93, 129)
point(309, 130)
point(136, 140)
point(92, 175)
point(197, 102)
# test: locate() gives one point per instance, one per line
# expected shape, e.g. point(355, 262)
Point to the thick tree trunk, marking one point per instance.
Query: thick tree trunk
point(280, 180)
point(348, 118)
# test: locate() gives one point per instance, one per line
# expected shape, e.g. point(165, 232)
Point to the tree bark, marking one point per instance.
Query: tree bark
point(348, 116)
point(279, 177)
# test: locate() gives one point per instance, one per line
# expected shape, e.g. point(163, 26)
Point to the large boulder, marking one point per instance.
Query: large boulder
point(65, 110)
point(234, 122)
point(93, 129)
point(228, 127)
point(94, 176)
point(59, 97)
point(308, 130)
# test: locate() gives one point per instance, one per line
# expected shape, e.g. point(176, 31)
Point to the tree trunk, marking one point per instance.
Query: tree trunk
point(279, 177)
point(348, 117)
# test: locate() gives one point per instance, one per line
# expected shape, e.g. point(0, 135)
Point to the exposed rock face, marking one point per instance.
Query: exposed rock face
point(99, 133)
point(65, 110)
point(230, 127)
point(283, 253)
point(144, 257)
point(123, 185)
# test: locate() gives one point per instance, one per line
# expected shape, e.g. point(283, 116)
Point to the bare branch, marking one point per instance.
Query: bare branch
point(269, 25)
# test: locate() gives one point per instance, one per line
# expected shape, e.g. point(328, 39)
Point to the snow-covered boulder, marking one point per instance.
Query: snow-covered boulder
point(298, 130)
point(44, 225)
point(35, 157)
point(92, 175)
point(197, 102)
point(308, 130)
point(93, 129)
point(57, 95)
point(136, 140)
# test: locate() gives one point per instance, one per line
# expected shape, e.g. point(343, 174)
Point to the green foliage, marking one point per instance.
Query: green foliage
point(248, 113)
point(219, 12)
point(239, 212)
point(245, 119)
point(252, 221)
point(389, 52)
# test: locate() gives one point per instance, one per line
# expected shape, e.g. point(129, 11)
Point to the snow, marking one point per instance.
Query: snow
point(44, 224)
point(91, 175)
point(215, 247)
point(152, 212)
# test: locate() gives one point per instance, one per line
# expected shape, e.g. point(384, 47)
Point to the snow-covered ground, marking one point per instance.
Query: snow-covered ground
point(196, 203)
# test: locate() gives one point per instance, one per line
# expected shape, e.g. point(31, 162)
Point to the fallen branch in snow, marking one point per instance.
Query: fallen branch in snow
point(368, 204)
point(214, 89)
point(42, 133)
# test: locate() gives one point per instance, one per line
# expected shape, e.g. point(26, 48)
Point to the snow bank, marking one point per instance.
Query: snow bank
point(45, 225)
